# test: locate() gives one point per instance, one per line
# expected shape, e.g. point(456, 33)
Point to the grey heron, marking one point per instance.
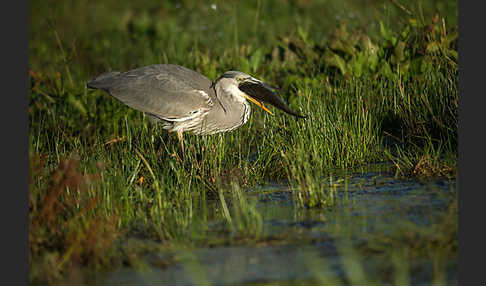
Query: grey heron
point(183, 100)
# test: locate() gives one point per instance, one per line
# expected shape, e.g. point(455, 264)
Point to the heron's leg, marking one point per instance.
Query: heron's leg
point(181, 140)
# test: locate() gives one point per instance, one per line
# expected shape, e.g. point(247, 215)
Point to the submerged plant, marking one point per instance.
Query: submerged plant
point(242, 218)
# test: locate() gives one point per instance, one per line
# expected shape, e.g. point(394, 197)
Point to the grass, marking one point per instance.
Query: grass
point(378, 86)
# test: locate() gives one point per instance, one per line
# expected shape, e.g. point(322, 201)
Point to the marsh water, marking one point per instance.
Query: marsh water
point(321, 244)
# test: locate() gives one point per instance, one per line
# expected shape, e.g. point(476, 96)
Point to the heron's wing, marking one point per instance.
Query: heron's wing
point(170, 77)
point(168, 105)
point(169, 92)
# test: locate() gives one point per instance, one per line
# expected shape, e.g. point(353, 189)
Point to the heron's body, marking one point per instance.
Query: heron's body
point(184, 100)
point(179, 98)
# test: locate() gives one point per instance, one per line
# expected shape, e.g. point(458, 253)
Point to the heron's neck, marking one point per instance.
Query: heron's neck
point(234, 102)
point(230, 93)
point(235, 93)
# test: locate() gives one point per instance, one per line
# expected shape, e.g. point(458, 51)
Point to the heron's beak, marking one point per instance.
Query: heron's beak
point(258, 92)
point(259, 103)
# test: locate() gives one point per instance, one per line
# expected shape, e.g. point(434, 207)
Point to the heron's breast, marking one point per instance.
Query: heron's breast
point(223, 120)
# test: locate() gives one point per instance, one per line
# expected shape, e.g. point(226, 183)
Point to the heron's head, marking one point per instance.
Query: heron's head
point(248, 87)
point(234, 79)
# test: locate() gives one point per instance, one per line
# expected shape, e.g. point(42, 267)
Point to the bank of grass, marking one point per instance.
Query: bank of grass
point(100, 170)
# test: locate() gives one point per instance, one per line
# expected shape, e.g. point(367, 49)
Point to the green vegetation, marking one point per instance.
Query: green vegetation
point(378, 82)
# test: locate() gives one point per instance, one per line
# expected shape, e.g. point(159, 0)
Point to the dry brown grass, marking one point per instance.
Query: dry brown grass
point(67, 227)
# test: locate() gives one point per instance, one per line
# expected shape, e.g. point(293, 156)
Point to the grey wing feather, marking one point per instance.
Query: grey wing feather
point(103, 81)
point(169, 92)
